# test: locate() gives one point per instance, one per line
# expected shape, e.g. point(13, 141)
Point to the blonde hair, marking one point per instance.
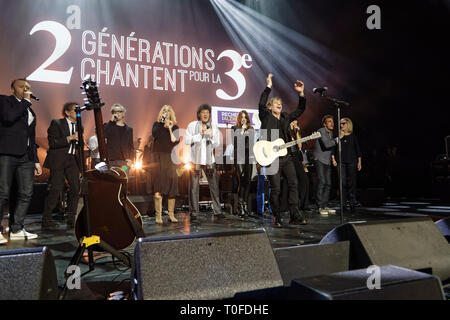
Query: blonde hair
point(171, 114)
point(270, 103)
point(349, 124)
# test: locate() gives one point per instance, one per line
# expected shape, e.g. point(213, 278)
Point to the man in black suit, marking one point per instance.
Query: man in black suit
point(62, 160)
point(119, 139)
point(18, 155)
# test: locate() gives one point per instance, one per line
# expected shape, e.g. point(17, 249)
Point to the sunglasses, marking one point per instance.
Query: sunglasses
point(117, 111)
point(343, 123)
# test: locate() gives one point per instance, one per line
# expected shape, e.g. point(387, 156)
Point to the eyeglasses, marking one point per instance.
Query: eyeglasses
point(342, 123)
point(117, 111)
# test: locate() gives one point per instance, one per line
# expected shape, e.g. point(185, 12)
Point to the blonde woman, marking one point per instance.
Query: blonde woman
point(351, 162)
point(164, 180)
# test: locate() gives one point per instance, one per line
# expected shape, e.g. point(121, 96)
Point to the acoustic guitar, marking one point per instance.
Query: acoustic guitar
point(267, 151)
point(113, 217)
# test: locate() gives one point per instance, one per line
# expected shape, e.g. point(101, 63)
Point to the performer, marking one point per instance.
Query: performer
point(272, 117)
point(303, 182)
point(18, 155)
point(164, 179)
point(119, 139)
point(241, 154)
point(351, 162)
point(323, 149)
point(203, 136)
point(63, 161)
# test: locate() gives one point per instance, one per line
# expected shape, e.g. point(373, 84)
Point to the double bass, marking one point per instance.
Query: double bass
point(112, 216)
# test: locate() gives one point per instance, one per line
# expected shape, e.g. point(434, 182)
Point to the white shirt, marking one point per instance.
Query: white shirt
point(192, 137)
point(93, 144)
point(71, 133)
point(30, 116)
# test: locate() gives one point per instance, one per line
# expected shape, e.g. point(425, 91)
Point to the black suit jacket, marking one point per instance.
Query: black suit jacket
point(268, 121)
point(14, 129)
point(58, 146)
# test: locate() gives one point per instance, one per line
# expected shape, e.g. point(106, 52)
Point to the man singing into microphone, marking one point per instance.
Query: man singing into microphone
point(119, 139)
point(203, 136)
point(18, 155)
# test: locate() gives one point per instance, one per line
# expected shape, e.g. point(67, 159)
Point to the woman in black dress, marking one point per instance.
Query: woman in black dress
point(164, 179)
point(243, 129)
point(351, 163)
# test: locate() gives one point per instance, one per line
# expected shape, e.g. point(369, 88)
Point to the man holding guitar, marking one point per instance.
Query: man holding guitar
point(272, 117)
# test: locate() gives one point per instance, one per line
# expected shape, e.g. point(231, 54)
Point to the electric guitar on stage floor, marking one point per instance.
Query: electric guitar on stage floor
point(267, 151)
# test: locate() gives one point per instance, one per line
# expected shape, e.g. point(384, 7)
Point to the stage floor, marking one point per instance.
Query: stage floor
point(106, 278)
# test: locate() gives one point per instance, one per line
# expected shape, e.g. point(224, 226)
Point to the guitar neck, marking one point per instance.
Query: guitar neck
point(290, 144)
point(101, 136)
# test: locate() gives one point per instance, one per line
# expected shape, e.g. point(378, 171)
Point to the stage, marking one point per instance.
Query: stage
point(106, 278)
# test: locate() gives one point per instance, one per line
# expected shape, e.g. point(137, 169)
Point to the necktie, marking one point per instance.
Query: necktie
point(73, 142)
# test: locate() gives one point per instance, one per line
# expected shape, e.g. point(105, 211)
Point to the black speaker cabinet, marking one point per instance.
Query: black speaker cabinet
point(312, 260)
point(444, 226)
point(203, 266)
point(395, 283)
point(410, 243)
point(28, 274)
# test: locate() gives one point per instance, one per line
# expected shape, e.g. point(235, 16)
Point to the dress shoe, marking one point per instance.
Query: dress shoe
point(49, 225)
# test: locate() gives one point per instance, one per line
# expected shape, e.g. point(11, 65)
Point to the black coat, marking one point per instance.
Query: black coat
point(58, 131)
point(123, 143)
point(268, 121)
point(14, 129)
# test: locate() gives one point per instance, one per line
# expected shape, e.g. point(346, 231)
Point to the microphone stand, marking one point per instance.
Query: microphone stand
point(338, 104)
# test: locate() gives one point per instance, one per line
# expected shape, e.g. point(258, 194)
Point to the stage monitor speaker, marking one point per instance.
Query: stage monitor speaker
point(395, 283)
point(414, 243)
point(28, 274)
point(312, 260)
point(203, 266)
point(444, 226)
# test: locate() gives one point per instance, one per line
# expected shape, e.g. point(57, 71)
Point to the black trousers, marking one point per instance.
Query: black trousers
point(194, 189)
point(23, 170)
point(71, 172)
point(303, 184)
point(287, 168)
point(244, 172)
point(349, 182)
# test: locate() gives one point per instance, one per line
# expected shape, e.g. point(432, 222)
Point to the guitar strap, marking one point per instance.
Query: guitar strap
point(137, 228)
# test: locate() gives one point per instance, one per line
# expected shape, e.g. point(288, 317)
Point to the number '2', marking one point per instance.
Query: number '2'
point(63, 40)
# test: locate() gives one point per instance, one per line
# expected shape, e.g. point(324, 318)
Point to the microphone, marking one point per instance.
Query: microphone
point(115, 118)
point(34, 97)
point(320, 90)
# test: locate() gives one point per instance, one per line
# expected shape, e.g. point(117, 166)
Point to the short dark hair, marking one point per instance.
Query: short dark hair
point(68, 107)
point(203, 107)
point(18, 79)
point(325, 117)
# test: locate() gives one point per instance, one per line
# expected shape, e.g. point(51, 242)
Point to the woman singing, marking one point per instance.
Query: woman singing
point(164, 180)
point(351, 162)
point(242, 133)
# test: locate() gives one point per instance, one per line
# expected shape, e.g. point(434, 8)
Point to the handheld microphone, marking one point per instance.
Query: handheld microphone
point(34, 97)
point(115, 118)
point(320, 90)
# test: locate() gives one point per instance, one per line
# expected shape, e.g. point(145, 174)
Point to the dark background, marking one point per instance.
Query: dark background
point(399, 94)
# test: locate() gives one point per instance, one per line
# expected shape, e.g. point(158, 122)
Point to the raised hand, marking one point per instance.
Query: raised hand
point(299, 87)
point(269, 80)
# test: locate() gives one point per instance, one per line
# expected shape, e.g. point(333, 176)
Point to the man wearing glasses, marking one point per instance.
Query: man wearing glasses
point(119, 139)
